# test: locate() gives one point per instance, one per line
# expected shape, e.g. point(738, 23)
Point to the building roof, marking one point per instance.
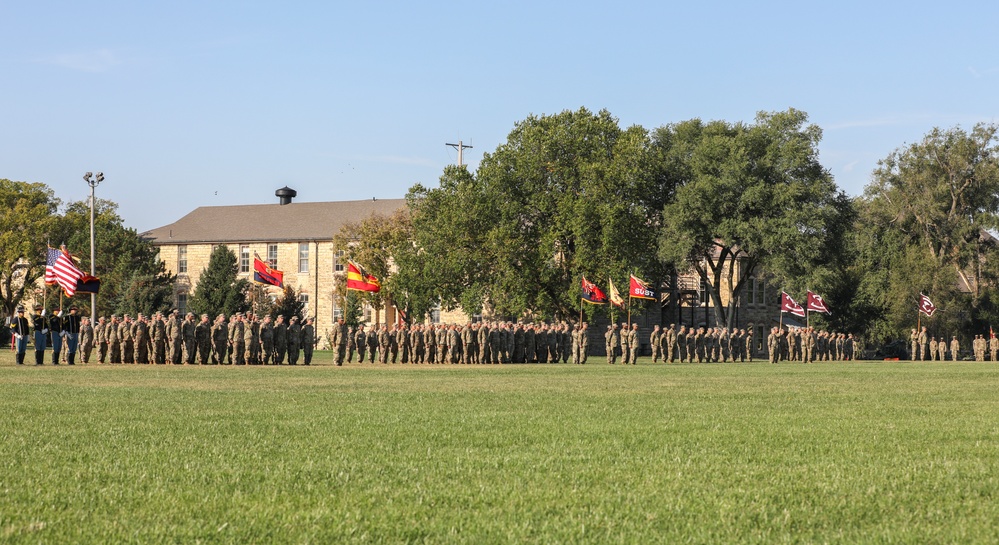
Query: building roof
point(297, 221)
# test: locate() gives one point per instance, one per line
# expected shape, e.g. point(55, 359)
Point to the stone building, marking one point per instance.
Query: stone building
point(295, 237)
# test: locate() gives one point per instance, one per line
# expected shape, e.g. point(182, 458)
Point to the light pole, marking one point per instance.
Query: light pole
point(93, 182)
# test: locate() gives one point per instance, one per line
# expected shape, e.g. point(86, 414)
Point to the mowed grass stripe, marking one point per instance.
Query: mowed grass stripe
point(831, 452)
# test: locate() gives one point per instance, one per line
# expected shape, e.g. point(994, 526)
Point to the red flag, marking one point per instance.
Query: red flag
point(639, 289)
point(593, 294)
point(926, 306)
point(263, 274)
point(359, 280)
point(815, 303)
point(788, 305)
point(59, 269)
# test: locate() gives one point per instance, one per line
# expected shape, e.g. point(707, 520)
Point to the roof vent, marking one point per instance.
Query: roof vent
point(286, 194)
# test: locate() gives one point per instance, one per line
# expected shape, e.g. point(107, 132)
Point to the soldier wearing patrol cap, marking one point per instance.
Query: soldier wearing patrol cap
point(20, 328)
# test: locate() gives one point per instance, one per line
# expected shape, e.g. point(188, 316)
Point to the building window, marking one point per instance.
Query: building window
point(338, 261)
point(182, 303)
point(751, 291)
point(337, 312)
point(435, 314)
point(367, 313)
point(303, 257)
point(761, 293)
point(272, 255)
point(304, 299)
point(182, 259)
point(244, 259)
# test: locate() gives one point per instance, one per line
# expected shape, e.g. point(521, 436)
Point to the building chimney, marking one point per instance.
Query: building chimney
point(285, 194)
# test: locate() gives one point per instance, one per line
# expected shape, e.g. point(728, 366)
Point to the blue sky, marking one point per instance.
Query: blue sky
point(186, 104)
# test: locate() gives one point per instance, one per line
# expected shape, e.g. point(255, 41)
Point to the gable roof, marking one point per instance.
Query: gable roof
point(269, 222)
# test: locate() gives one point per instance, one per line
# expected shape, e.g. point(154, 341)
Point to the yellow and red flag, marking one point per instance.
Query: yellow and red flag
point(359, 280)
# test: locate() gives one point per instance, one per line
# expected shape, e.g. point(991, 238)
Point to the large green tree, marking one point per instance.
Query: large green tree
point(219, 290)
point(374, 243)
point(27, 220)
point(756, 194)
point(927, 212)
point(562, 197)
point(133, 279)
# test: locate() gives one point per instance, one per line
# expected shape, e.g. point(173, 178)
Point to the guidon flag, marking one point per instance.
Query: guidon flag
point(926, 306)
point(592, 294)
point(615, 297)
point(639, 289)
point(60, 269)
point(263, 273)
point(358, 279)
point(788, 305)
point(815, 303)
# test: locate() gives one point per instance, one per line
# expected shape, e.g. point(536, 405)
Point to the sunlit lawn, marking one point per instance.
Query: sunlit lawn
point(714, 453)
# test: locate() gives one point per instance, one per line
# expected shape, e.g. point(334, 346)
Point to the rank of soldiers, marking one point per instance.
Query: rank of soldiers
point(247, 339)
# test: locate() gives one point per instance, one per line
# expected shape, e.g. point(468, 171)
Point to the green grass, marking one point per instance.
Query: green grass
point(713, 453)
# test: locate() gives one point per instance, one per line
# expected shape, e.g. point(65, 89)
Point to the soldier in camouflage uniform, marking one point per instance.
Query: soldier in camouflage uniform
point(142, 340)
point(203, 340)
point(633, 344)
point(220, 339)
point(114, 341)
point(611, 342)
point(372, 340)
point(360, 343)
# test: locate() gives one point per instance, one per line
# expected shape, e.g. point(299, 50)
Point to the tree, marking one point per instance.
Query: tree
point(373, 243)
point(27, 218)
point(219, 291)
point(561, 198)
point(943, 193)
point(925, 217)
point(752, 198)
point(290, 304)
point(133, 279)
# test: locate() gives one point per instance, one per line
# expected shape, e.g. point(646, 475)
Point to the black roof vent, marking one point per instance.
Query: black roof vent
point(286, 194)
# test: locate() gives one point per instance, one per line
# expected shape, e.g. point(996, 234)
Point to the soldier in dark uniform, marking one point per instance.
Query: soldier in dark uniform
point(20, 328)
point(294, 340)
point(280, 340)
point(40, 331)
point(372, 341)
point(55, 336)
point(71, 331)
point(308, 340)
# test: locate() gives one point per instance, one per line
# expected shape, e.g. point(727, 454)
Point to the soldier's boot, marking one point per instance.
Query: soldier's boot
point(20, 358)
point(55, 357)
point(39, 356)
point(70, 358)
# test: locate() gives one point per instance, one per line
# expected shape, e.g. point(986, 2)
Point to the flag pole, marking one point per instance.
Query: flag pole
point(629, 307)
point(807, 291)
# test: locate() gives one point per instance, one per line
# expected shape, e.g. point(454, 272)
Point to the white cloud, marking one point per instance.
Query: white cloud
point(100, 60)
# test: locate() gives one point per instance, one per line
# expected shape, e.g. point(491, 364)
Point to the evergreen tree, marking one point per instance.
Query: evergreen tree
point(219, 290)
point(289, 305)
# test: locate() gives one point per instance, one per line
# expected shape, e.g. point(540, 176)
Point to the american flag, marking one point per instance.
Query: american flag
point(59, 269)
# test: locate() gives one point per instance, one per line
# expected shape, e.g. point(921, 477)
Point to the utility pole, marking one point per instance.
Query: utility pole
point(459, 146)
point(93, 182)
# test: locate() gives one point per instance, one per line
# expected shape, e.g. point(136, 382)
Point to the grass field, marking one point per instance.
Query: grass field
point(713, 453)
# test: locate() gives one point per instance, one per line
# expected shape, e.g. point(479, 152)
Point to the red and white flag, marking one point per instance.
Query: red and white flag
point(815, 303)
point(926, 306)
point(788, 305)
point(59, 269)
